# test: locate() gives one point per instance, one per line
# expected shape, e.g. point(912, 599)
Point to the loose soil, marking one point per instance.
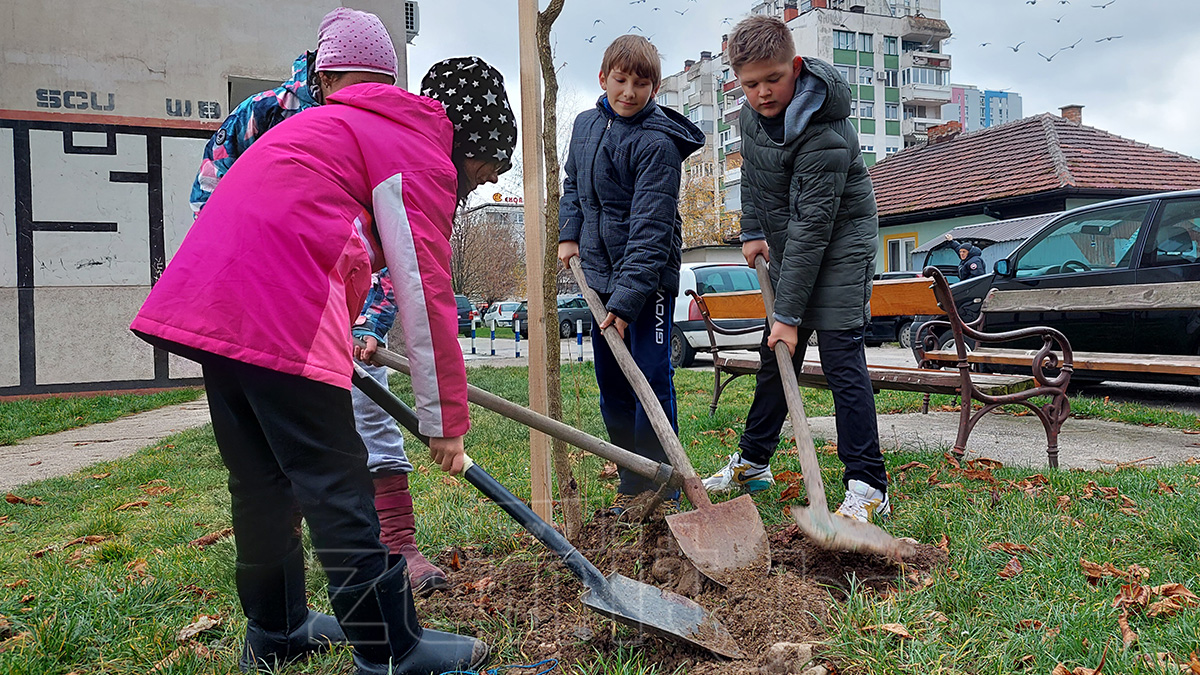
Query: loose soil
point(533, 596)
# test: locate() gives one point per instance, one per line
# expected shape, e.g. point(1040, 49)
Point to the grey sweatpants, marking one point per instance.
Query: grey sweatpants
point(380, 433)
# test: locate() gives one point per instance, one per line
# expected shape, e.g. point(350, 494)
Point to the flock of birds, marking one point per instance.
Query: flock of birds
point(1050, 57)
point(638, 29)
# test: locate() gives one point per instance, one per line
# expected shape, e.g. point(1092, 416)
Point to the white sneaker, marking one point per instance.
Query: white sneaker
point(864, 503)
point(740, 474)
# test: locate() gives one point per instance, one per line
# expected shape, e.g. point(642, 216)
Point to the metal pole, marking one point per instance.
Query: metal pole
point(517, 335)
point(579, 337)
point(474, 325)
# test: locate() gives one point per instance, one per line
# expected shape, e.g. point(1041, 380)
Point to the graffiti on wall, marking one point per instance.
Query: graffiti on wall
point(205, 110)
point(91, 213)
point(75, 100)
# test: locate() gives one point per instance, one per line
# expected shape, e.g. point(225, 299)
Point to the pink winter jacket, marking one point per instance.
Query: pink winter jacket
point(279, 262)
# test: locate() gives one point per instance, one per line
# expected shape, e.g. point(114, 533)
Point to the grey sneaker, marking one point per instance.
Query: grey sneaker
point(864, 503)
point(740, 474)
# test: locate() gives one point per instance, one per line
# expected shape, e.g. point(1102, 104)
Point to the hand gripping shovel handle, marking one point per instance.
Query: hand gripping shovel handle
point(493, 490)
point(692, 487)
point(660, 473)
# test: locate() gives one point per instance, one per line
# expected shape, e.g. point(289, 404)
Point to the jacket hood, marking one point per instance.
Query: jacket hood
point(410, 111)
point(822, 95)
point(298, 84)
point(686, 135)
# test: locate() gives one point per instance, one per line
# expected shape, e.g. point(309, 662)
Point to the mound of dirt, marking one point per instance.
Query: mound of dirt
point(537, 599)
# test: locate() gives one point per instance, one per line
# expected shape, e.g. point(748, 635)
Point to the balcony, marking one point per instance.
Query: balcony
point(914, 129)
point(731, 112)
point(731, 86)
point(734, 145)
point(922, 29)
point(733, 175)
point(925, 93)
point(925, 60)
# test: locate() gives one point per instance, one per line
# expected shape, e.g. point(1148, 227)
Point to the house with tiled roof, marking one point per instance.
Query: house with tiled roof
point(1036, 165)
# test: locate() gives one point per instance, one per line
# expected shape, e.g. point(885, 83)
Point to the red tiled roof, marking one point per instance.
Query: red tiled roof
point(1026, 157)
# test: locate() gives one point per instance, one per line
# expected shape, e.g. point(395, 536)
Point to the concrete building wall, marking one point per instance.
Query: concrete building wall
point(104, 112)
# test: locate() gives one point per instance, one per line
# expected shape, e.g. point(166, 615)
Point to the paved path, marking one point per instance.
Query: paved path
point(68, 451)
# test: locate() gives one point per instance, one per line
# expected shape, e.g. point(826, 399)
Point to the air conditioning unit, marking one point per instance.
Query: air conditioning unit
point(412, 20)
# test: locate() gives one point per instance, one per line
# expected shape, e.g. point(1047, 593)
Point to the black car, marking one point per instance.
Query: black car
point(466, 312)
point(571, 309)
point(1142, 240)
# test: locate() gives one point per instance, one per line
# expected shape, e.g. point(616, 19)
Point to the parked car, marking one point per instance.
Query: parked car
point(571, 308)
point(688, 332)
point(500, 313)
point(466, 312)
point(897, 328)
point(1141, 240)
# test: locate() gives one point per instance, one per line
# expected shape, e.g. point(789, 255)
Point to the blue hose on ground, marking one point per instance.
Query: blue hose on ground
point(545, 667)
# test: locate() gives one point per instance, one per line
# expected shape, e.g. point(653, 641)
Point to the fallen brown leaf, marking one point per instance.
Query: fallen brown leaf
point(202, 623)
point(788, 477)
point(1012, 569)
point(944, 543)
point(792, 491)
point(896, 629)
point(1165, 488)
point(19, 583)
point(1026, 624)
point(139, 566)
point(986, 463)
point(89, 540)
point(912, 465)
point(1060, 669)
point(156, 490)
point(132, 505)
point(952, 460)
point(451, 481)
point(949, 486)
point(1007, 547)
point(609, 471)
point(3, 520)
point(937, 617)
point(41, 552)
point(195, 590)
point(192, 647)
point(212, 538)
point(28, 501)
point(6, 630)
point(101, 476)
point(1194, 663)
point(1063, 502)
point(14, 641)
point(26, 599)
point(482, 584)
point(1128, 636)
point(1025, 661)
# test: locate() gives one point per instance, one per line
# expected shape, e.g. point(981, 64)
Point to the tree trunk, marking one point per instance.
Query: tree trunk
point(568, 487)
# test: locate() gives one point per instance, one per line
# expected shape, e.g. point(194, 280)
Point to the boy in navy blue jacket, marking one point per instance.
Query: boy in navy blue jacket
point(619, 213)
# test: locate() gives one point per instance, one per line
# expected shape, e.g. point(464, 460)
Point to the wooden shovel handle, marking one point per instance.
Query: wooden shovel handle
point(791, 391)
point(692, 487)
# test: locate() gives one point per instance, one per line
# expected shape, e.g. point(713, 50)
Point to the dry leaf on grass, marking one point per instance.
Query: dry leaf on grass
point(609, 471)
point(1007, 547)
point(3, 520)
point(193, 589)
point(451, 481)
point(985, 463)
point(28, 501)
point(6, 630)
point(138, 566)
point(912, 465)
point(792, 491)
point(195, 648)
point(101, 476)
point(1095, 572)
point(1062, 502)
point(788, 477)
point(1194, 663)
point(950, 486)
point(14, 641)
point(952, 460)
point(1012, 569)
point(19, 583)
point(202, 623)
point(212, 538)
point(896, 629)
point(26, 599)
point(1165, 488)
point(937, 617)
point(156, 490)
point(1128, 636)
point(944, 543)
point(1028, 624)
point(132, 505)
point(481, 585)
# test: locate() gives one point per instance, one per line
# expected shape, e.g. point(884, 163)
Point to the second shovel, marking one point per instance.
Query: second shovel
point(724, 541)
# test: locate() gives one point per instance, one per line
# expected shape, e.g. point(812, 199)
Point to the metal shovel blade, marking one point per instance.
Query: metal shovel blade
point(663, 613)
point(725, 541)
point(846, 534)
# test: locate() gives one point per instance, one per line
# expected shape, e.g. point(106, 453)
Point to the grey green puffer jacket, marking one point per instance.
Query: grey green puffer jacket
point(811, 199)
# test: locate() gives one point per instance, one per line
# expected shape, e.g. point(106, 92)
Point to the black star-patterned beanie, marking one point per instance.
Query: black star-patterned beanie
point(472, 92)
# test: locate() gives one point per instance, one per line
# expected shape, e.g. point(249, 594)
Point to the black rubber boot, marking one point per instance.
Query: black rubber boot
point(381, 622)
point(280, 627)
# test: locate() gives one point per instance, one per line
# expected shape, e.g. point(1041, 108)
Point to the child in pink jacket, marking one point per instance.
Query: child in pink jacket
point(262, 293)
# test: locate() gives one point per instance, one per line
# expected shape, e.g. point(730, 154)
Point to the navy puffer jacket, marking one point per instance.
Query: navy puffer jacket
point(621, 201)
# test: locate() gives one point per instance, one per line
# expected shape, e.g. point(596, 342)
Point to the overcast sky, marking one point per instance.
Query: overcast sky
point(1141, 85)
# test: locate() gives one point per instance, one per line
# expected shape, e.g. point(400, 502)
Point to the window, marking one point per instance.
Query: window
point(866, 76)
point(924, 76)
point(866, 109)
point(1177, 241)
point(899, 253)
point(891, 111)
point(866, 42)
point(891, 77)
point(891, 46)
point(892, 149)
point(843, 40)
point(868, 148)
point(848, 72)
point(1099, 240)
point(725, 279)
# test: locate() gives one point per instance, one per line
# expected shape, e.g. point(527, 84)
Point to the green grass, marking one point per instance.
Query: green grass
point(91, 614)
point(23, 418)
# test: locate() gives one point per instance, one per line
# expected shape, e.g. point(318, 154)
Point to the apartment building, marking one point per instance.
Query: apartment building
point(979, 109)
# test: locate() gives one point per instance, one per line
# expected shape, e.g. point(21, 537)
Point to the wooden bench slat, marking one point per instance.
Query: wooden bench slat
point(1130, 297)
point(1096, 361)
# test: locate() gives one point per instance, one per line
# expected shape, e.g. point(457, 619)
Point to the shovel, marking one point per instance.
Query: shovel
point(724, 541)
point(617, 597)
point(827, 530)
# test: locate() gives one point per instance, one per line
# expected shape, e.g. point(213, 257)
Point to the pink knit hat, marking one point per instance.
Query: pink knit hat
point(350, 40)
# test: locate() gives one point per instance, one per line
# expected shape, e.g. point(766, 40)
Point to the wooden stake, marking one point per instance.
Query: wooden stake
point(535, 249)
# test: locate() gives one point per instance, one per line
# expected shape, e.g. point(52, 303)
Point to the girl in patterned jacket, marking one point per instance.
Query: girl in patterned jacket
point(262, 293)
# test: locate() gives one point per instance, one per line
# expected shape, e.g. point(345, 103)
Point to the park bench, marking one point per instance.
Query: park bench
point(728, 365)
point(1052, 365)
